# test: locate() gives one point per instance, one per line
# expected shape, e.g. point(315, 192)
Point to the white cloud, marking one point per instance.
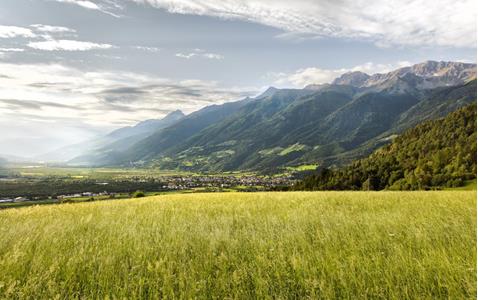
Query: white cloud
point(15, 31)
point(67, 45)
point(116, 57)
point(312, 75)
point(213, 56)
point(200, 53)
point(75, 101)
point(82, 3)
point(12, 49)
point(307, 76)
point(125, 96)
point(52, 29)
point(148, 49)
point(186, 56)
point(104, 7)
point(385, 22)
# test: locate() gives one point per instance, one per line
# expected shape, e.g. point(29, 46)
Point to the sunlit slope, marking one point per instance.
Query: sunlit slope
point(357, 245)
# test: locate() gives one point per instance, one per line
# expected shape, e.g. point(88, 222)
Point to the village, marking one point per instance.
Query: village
point(60, 197)
point(188, 182)
point(165, 184)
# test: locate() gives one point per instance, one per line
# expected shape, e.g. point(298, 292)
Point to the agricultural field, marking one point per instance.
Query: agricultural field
point(91, 173)
point(342, 245)
point(22, 185)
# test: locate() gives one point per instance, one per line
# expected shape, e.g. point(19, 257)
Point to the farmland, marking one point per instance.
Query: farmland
point(43, 185)
point(359, 245)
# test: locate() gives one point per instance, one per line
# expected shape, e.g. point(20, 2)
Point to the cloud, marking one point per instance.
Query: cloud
point(97, 94)
point(36, 31)
point(212, 56)
point(51, 29)
point(104, 6)
point(12, 49)
point(313, 75)
point(115, 57)
point(147, 49)
point(67, 45)
point(33, 104)
point(386, 22)
point(186, 56)
point(5, 52)
point(186, 94)
point(199, 53)
point(15, 31)
point(82, 3)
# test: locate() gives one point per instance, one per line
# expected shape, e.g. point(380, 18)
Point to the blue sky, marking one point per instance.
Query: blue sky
point(73, 69)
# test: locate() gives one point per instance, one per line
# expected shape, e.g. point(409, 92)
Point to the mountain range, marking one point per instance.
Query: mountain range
point(327, 124)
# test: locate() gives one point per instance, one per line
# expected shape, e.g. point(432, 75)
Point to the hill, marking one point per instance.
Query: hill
point(438, 153)
point(295, 245)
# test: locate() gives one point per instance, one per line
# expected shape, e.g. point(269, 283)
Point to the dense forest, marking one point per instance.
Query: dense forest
point(434, 154)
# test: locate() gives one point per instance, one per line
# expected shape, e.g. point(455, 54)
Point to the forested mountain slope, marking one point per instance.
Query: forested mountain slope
point(318, 128)
point(438, 153)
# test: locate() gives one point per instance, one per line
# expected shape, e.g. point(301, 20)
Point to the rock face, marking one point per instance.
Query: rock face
point(316, 87)
point(270, 91)
point(427, 75)
point(356, 79)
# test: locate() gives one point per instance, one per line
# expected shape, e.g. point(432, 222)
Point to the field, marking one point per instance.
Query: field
point(40, 183)
point(102, 173)
point(343, 245)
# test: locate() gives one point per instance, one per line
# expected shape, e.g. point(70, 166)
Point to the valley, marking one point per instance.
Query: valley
point(412, 128)
point(361, 188)
point(34, 185)
point(246, 149)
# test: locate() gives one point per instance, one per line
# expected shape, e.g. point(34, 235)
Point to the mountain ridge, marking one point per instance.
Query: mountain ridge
point(432, 73)
point(285, 127)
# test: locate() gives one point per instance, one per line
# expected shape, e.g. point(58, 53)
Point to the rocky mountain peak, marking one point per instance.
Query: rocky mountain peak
point(355, 78)
point(174, 114)
point(269, 92)
point(316, 87)
point(426, 75)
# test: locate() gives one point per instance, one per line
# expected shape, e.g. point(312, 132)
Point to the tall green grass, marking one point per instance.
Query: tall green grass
point(342, 245)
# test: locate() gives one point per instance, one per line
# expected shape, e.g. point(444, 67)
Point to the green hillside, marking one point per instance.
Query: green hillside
point(439, 153)
point(286, 128)
point(332, 125)
point(295, 245)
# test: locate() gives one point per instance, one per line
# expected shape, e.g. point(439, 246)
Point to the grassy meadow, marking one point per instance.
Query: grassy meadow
point(342, 245)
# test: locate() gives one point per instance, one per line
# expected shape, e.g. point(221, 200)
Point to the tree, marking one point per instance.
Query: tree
point(138, 194)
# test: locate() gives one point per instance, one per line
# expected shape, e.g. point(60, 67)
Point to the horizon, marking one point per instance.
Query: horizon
point(75, 70)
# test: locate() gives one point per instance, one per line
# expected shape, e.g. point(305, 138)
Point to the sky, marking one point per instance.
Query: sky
point(72, 70)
